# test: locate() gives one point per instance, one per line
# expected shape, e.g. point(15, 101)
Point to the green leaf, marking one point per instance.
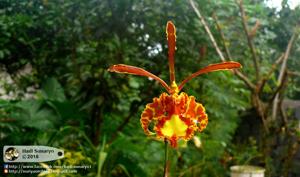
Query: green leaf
point(4, 103)
point(30, 113)
point(66, 110)
point(52, 90)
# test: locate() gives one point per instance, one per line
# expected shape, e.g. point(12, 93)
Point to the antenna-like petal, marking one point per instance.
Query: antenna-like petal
point(211, 68)
point(127, 69)
point(171, 37)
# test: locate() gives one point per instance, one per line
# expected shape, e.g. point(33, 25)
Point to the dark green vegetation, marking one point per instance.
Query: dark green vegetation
point(65, 97)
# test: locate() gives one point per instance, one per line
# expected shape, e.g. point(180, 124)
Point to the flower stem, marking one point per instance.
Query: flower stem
point(166, 167)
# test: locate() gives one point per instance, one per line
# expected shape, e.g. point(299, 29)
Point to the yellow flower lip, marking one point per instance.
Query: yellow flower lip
point(174, 127)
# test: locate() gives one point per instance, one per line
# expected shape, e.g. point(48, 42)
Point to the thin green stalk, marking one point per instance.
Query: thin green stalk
point(166, 167)
point(101, 157)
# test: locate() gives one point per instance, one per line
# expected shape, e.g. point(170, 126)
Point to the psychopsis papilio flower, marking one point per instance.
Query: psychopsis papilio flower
point(175, 114)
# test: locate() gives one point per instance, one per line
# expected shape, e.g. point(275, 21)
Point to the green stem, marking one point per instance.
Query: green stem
point(101, 157)
point(166, 167)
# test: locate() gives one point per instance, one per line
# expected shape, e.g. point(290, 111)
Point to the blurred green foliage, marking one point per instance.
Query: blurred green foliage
point(94, 115)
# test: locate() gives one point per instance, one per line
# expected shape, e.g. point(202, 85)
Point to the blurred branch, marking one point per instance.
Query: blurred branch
point(281, 75)
point(7, 120)
point(133, 110)
point(244, 78)
point(293, 148)
point(252, 33)
point(227, 52)
point(279, 88)
point(268, 75)
point(202, 20)
point(293, 73)
point(76, 67)
point(97, 120)
point(249, 38)
point(261, 110)
point(284, 116)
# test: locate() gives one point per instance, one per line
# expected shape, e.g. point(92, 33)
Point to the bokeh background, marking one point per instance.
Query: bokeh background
point(55, 89)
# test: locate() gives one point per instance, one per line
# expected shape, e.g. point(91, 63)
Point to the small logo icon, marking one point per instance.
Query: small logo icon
point(11, 154)
point(5, 171)
point(5, 166)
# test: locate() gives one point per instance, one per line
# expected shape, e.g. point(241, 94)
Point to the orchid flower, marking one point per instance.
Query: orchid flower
point(175, 114)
